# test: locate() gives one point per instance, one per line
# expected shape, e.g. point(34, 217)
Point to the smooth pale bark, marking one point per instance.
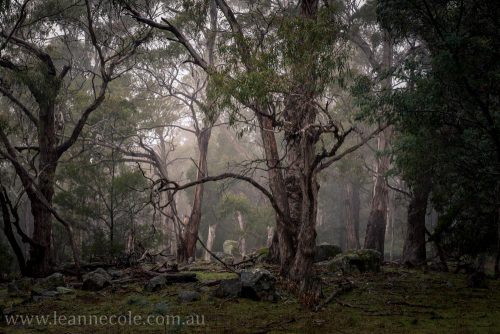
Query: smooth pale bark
point(210, 241)
point(352, 215)
point(129, 249)
point(414, 252)
point(242, 242)
point(270, 234)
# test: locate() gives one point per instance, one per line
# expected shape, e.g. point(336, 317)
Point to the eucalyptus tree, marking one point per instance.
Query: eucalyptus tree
point(39, 73)
point(377, 47)
point(189, 85)
point(280, 62)
point(99, 187)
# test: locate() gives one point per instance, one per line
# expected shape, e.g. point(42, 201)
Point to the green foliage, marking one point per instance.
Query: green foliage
point(448, 115)
point(294, 50)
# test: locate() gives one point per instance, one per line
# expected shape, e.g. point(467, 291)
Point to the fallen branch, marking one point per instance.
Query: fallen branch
point(217, 258)
point(344, 287)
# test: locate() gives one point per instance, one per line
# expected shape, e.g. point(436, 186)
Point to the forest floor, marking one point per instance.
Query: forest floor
point(396, 300)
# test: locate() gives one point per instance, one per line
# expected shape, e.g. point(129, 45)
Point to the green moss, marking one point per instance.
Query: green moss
point(392, 301)
point(263, 251)
point(204, 276)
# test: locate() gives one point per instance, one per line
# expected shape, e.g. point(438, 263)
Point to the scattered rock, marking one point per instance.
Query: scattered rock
point(50, 293)
point(161, 308)
point(229, 288)
point(24, 284)
point(204, 289)
point(159, 282)
point(156, 283)
point(230, 247)
point(169, 267)
point(181, 277)
point(52, 282)
point(262, 255)
point(137, 300)
point(477, 280)
point(103, 272)
point(325, 252)
point(258, 284)
point(39, 295)
point(363, 260)
point(63, 290)
point(12, 289)
point(228, 259)
point(116, 274)
point(188, 296)
point(96, 280)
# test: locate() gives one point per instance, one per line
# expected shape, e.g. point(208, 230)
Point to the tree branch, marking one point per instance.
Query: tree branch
point(18, 103)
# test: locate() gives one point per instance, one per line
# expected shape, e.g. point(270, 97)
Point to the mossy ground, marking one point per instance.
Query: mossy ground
point(393, 301)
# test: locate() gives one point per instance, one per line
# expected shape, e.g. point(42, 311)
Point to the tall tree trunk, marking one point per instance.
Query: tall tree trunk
point(414, 253)
point(352, 214)
point(210, 240)
point(270, 234)
point(203, 137)
point(497, 259)
point(391, 219)
point(375, 230)
point(242, 242)
point(40, 263)
point(191, 231)
point(302, 270)
point(282, 249)
point(7, 216)
point(300, 114)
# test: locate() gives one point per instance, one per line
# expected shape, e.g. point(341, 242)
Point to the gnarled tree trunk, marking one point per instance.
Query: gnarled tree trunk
point(414, 253)
point(282, 249)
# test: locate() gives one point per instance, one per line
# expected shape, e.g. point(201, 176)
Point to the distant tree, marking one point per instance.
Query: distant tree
point(38, 73)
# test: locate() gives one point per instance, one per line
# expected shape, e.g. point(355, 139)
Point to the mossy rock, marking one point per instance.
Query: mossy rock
point(325, 252)
point(230, 247)
point(263, 251)
point(357, 261)
point(52, 282)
